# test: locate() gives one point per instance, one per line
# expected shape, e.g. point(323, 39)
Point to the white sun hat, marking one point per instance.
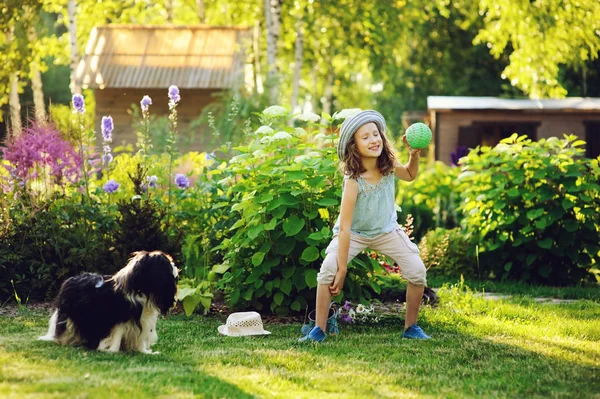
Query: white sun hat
point(243, 323)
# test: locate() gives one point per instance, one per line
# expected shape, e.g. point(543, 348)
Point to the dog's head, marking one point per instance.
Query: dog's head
point(152, 274)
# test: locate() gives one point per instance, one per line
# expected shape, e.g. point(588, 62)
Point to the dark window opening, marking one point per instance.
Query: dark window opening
point(490, 133)
point(592, 138)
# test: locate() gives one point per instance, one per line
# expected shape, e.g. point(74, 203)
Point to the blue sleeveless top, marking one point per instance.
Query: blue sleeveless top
point(375, 208)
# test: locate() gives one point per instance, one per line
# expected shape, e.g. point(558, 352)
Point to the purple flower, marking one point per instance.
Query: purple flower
point(78, 103)
point(107, 127)
point(174, 94)
point(346, 318)
point(41, 148)
point(107, 158)
point(111, 186)
point(182, 181)
point(347, 306)
point(145, 103)
point(460, 152)
point(152, 181)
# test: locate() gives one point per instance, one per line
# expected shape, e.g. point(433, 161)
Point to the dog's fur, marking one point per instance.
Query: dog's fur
point(113, 313)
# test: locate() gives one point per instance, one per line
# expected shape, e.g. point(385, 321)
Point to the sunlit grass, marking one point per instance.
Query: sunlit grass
point(507, 348)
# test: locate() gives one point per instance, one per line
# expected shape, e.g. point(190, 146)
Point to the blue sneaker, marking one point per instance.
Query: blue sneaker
point(315, 335)
point(415, 332)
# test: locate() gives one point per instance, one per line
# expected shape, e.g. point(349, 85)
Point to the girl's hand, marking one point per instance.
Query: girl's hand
point(412, 151)
point(338, 283)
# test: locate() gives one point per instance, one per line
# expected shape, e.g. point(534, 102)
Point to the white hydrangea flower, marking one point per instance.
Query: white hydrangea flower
point(275, 111)
point(282, 136)
point(309, 117)
point(346, 113)
point(320, 137)
point(264, 130)
point(266, 140)
point(300, 132)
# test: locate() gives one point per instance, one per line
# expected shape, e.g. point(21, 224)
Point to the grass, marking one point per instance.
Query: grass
point(393, 283)
point(507, 348)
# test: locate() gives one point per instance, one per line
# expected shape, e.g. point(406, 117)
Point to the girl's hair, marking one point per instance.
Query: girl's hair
point(353, 167)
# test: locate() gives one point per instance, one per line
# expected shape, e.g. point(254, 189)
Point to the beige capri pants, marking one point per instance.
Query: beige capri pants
point(395, 244)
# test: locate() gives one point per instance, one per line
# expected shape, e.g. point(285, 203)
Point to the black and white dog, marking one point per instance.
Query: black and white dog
point(113, 313)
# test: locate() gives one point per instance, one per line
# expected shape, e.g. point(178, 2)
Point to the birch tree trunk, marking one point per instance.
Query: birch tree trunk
point(13, 97)
point(328, 86)
point(201, 11)
point(169, 7)
point(36, 81)
point(298, 62)
point(15, 106)
point(258, 86)
point(273, 18)
point(75, 88)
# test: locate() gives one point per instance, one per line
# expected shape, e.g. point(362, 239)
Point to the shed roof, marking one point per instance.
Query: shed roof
point(157, 56)
point(473, 103)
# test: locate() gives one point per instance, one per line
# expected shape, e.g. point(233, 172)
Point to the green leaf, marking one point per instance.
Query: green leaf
point(234, 297)
point(284, 246)
point(531, 258)
point(513, 192)
point(255, 275)
point(310, 254)
point(294, 175)
point(254, 231)
point(279, 212)
point(546, 243)
point(296, 306)
point(567, 204)
point(571, 225)
point(286, 286)
point(327, 202)
point(311, 278)
point(535, 213)
point(221, 268)
point(288, 199)
point(508, 266)
point(189, 303)
point(184, 292)
point(248, 294)
point(288, 272)
point(278, 298)
point(265, 198)
point(271, 225)
point(293, 225)
point(316, 236)
point(257, 258)
point(545, 270)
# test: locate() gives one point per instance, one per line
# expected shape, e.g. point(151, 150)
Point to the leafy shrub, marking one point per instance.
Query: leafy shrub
point(533, 208)
point(432, 199)
point(449, 253)
point(285, 191)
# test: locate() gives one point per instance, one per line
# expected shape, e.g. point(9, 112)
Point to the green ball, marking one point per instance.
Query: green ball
point(418, 135)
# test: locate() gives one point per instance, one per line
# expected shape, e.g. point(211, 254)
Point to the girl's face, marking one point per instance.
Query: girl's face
point(368, 141)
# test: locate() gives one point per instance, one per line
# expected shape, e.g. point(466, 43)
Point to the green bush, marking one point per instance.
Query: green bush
point(449, 253)
point(432, 199)
point(48, 241)
point(533, 208)
point(286, 192)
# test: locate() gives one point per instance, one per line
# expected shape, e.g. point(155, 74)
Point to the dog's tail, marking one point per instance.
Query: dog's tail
point(51, 334)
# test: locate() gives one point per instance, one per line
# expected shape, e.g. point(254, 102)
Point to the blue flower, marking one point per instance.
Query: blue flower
point(107, 158)
point(174, 94)
point(78, 103)
point(107, 128)
point(145, 103)
point(152, 181)
point(182, 181)
point(111, 186)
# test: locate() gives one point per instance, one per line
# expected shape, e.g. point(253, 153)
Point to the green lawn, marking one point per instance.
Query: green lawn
point(507, 348)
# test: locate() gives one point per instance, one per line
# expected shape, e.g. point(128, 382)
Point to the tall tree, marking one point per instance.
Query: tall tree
point(299, 55)
point(273, 21)
point(541, 36)
point(75, 86)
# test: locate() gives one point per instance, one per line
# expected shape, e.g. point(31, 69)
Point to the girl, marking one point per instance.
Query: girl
point(368, 217)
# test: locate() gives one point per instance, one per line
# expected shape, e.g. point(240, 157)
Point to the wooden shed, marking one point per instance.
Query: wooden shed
point(473, 121)
point(125, 62)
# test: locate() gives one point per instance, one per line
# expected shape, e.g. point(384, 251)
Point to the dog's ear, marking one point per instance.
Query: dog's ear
point(152, 274)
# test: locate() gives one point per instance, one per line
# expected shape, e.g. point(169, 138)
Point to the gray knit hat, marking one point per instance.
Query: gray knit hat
point(353, 123)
